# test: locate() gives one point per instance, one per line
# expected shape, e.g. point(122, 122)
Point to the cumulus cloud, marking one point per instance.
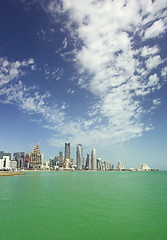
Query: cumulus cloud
point(155, 30)
point(164, 72)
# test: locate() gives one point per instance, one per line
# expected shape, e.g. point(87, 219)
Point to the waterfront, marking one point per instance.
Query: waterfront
point(10, 173)
point(84, 205)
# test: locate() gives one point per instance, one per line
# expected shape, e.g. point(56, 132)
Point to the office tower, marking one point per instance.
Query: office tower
point(36, 158)
point(67, 151)
point(26, 161)
point(61, 159)
point(79, 156)
point(120, 166)
point(67, 163)
point(19, 157)
point(93, 160)
point(88, 162)
point(98, 163)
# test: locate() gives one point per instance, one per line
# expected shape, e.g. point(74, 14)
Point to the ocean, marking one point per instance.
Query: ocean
point(84, 205)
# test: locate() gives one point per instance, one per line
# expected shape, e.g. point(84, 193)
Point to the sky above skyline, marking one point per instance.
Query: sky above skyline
point(85, 72)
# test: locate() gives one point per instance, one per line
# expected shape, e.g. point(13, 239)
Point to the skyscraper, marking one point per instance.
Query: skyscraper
point(93, 160)
point(61, 159)
point(88, 161)
point(19, 157)
point(36, 158)
point(120, 166)
point(67, 151)
point(79, 156)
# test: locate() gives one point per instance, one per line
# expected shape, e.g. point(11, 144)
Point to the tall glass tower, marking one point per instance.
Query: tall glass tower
point(67, 151)
point(88, 161)
point(93, 160)
point(79, 156)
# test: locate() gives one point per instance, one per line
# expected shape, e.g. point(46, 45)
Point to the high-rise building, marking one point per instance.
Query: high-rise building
point(36, 158)
point(67, 151)
point(19, 157)
point(26, 161)
point(93, 160)
point(67, 163)
point(120, 166)
point(79, 156)
point(98, 163)
point(88, 161)
point(61, 159)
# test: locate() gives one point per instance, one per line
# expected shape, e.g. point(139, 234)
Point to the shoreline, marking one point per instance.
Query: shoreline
point(10, 173)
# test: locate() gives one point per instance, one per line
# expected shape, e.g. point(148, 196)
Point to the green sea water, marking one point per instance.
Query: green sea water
point(84, 205)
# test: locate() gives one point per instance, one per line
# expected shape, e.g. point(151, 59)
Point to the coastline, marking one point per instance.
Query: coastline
point(10, 173)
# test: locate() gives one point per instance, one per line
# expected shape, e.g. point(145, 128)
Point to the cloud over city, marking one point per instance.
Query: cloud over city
point(119, 64)
point(114, 49)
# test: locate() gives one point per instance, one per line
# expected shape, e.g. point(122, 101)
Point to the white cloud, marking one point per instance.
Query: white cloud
point(13, 70)
point(53, 72)
point(153, 80)
point(147, 51)
point(111, 65)
point(153, 62)
point(31, 102)
point(155, 30)
point(156, 101)
point(116, 73)
point(164, 72)
point(70, 91)
point(65, 42)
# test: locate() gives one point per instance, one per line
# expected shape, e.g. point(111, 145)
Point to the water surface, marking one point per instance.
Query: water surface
point(84, 205)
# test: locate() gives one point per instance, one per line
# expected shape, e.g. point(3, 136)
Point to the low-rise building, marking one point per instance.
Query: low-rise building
point(145, 167)
point(5, 160)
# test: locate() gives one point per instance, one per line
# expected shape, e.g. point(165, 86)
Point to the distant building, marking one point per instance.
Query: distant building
point(52, 162)
point(5, 159)
point(79, 156)
point(26, 160)
point(67, 163)
point(19, 157)
point(46, 165)
point(93, 160)
point(13, 164)
point(88, 161)
point(67, 151)
point(120, 166)
point(98, 163)
point(36, 159)
point(67, 155)
point(61, 159)
point(145, 167)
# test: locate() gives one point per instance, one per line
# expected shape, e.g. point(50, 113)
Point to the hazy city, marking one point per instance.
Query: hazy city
point(64, 161)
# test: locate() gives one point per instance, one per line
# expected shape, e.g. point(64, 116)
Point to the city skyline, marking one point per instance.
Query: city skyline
point(85, 72)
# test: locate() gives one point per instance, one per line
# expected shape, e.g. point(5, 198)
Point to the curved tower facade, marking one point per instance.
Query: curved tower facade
point(79, 156)
point(93, 160)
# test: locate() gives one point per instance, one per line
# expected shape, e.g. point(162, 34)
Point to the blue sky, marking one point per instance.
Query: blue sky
point(88, 72)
